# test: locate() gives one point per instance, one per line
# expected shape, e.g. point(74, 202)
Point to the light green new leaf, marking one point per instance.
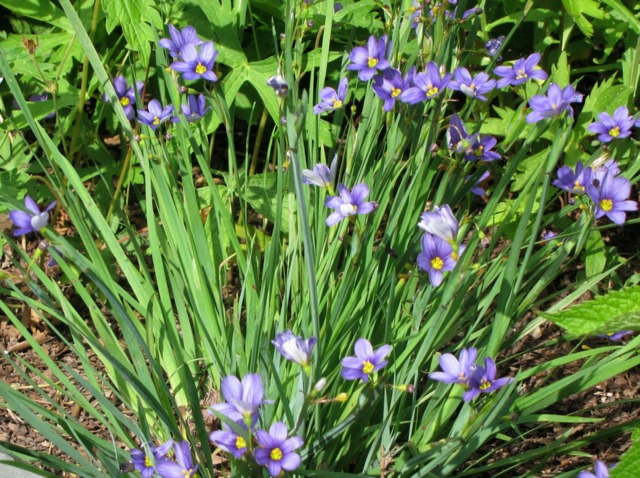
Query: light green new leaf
point(578, 9)
point(133, 16)
point(616, 311)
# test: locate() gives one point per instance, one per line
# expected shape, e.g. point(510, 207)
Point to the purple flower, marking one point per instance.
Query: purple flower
point(440, 222)
point(477, 189)
point(146, 463)
point(230, 441)
point(155, 114)
point(436, 257)
point(599, 171)
point(294, 348)
point(480, 149)
point(126, 96)
point(184, 468)
point(279, 85)
point(614, 337)
point(242, 398)
point(613, 127)
point(427, 85)
point(367, 60)
point(194, 110)
point(454, 370)
point(521, 71)
point(458, 139)
point(321, 175)
point(483, 380)
point(179, 40)
point(35, 99)
point(34, 221)
point(365, 362)
point(548, 235)
point(493, 45)
point(197, 64)
point(349, 203)
point(416, 13)
point(331, 99)
point(574, 182)
point(555, 103)
point(276, 451)
point(390, 85)
point(601, 471)
point(474, 87)
point(611, 198)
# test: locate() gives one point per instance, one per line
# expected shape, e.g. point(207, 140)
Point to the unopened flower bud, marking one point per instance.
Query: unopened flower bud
point(342, 397)
point(320, 384)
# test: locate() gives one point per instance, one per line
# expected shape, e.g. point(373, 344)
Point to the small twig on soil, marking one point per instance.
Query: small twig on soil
point(41, 338)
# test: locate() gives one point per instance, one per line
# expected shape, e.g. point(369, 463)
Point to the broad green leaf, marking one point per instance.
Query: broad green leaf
point(622, 12)
point(614, 312)
point(579, 9)
point(628, 466)
point(134, 17)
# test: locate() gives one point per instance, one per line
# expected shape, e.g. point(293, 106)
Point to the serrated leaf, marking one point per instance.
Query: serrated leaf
point(628, 466)
point(133, 16)
point(614, 312)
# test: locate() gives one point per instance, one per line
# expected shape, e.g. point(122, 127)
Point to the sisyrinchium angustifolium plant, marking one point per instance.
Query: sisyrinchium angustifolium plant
point(307, 238)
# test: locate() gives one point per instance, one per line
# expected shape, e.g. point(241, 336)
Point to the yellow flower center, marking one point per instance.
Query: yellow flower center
point(336, 103)
point(554, 107)
point(437, 263)
point(372, 62)
point(606, 204)
point(147, 462)
point(479, 151)
point(521, 74)
point(156, 120)
point(395, 92)
point(614, 132)
point(276, 454)
point(484, 384)
point(577, 185)
point(240, 442)
point(124, 101)
point(367, 367)
point(201, 69)
point(432, 91)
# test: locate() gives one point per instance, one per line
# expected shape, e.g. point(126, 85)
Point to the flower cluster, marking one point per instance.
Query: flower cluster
point(272, 449)
point(440, 248)
point(609, 192)
point(194, 59)
point(553, 104)
point(476, 379)
point(155, 461)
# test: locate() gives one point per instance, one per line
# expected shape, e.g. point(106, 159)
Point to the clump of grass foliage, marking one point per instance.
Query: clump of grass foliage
point(193, 244)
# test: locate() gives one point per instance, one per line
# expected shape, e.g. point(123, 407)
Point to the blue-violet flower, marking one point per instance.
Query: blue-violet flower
point(197, 64)
point(427, 85)
point(483, 380)
point(349, 203)
point(454, 370)
point(613, 127)
point(331, 99)
point(126, 95)
point(521, 71)
point(276, 451)
point(556, 102)
point(155, 114)
point(474, 87)
point(436, 257)
point(32, 221)
point(366, 361)
point(294, 348)
point(179, 40)
point(367, 60)
point(611, 198)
